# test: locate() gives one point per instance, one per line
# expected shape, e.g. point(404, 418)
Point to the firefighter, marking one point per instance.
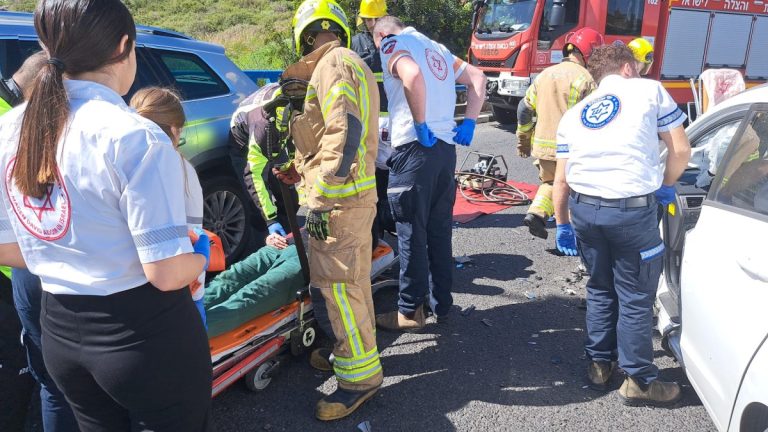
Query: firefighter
point(556, 89)
point(608, 174)
point(362, 44)
point(642, 50)
point(418, 75)
point(250, 134)
point(336, 150)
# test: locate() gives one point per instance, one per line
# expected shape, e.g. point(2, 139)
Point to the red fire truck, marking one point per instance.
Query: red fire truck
point(513, 40)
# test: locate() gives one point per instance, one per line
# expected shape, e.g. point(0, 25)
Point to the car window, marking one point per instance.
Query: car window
point(13, 52)
point(709, 149)
point(742, 180)
point(625, 17)
point(192, 76)
point(146, 75)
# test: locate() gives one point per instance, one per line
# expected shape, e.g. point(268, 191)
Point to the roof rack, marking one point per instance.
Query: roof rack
point(161, 32)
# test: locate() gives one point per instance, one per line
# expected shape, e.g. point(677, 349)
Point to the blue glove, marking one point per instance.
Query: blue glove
point(566, 240)
point(464, 132)
point(665, 195)
point(424, 135)
point(203, 246)
point(276, 228)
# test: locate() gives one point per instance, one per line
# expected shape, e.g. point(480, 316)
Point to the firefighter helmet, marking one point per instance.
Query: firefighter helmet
point(584, 40)
point(372, 8)
point(314, 16)
point(642, 50)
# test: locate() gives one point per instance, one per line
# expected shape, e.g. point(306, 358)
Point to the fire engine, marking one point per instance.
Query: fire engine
point(514, 40)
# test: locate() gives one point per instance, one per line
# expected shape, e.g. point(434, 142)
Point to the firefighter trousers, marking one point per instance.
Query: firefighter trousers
point(542, 205)
point(340, 269)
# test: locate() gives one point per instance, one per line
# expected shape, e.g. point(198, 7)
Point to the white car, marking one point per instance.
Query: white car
point(713, 295)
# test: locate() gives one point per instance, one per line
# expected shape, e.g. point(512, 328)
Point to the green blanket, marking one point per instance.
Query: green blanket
point(259, 284)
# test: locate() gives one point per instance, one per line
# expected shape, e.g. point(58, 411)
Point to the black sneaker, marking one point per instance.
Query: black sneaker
point(536, 225)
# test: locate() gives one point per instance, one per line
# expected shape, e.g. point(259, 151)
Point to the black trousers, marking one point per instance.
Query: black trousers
point(16, 384)
point(137, 360)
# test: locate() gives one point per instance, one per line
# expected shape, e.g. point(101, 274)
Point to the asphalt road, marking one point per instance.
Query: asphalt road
point(512, 364)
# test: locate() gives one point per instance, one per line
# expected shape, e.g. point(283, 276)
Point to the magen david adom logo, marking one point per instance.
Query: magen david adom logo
point(47, 217)
point(601, 111)
point(437, 64)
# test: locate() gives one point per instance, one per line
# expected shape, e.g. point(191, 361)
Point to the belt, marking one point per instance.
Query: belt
point(631, 202)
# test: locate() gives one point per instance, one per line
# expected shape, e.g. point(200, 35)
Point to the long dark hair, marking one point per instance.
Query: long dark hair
point(79, 36)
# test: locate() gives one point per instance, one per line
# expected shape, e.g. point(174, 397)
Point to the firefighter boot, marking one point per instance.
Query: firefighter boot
point(657, 393)
point(396, 321)
point(342, 403)
point(536, 225)
point(321, 359)
point(599, 374)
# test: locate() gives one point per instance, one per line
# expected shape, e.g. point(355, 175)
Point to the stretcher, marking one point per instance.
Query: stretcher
point(253, 351)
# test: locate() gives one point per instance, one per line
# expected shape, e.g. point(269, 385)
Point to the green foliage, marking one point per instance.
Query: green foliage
point(257, 33)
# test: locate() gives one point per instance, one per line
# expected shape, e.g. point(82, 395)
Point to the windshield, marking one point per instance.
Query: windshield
point(508, 16)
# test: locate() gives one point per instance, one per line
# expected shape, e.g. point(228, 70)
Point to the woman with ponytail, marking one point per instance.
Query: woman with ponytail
point(93, 203)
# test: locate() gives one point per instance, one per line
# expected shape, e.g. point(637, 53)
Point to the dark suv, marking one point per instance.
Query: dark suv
point(211, 87)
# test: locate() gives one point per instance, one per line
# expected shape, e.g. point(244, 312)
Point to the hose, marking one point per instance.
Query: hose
point(498, 192)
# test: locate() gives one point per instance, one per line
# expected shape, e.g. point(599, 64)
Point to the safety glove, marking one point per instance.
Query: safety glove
point(276, 228)
point(287, 174)
point(566, 240)
point(464, 132)
point(424, 135)
point(202, 246)
point(524, 143)
point(665, 195)
point(317, 224)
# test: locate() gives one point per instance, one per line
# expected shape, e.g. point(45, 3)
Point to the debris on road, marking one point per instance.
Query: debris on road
point(468, 310)
point(530, 295)
point(555, 360)
point(570, 292)
point(364, 426)
point(463, 259)
point(459, 266)
point(487, 322)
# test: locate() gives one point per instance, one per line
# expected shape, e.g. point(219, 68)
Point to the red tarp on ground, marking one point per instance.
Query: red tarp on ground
point(465, 211)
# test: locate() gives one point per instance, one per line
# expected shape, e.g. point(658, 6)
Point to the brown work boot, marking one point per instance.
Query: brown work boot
point(321, 359)
point(342, 403)
point(657, 393)
point(395, 321)
point(537, 225)
point(599, 374)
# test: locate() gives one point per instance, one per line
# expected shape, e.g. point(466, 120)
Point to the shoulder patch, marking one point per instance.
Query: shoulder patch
point(389, 47)
point(601, 111)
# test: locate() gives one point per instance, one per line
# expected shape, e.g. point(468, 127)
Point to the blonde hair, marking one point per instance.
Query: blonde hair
point(162, 106)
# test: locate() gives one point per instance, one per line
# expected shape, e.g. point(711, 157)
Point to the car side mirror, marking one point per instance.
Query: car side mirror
point(557, 16)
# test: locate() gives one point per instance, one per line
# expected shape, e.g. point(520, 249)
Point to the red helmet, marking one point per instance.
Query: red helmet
point(585, 40)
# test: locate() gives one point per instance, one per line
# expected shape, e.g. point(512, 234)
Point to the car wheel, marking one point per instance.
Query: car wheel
point(504, 116)
point(226, 215)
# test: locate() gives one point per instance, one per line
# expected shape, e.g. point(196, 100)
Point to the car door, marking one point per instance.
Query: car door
point(709, 138)
point(724, 276)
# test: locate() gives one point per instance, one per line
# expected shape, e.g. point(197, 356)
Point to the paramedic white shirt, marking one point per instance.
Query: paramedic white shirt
point(439, 68)
point(119, 202)
point(611, 138)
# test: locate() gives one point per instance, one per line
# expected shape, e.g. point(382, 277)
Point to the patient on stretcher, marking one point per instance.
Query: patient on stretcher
point(264, 281)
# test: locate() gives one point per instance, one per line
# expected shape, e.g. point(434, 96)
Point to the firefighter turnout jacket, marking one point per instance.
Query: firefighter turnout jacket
point(554, 91)
point(335, 135)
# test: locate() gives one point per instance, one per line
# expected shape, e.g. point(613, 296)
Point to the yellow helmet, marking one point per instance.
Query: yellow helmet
point(642, 50)
point(317, 16)
point(372, 8)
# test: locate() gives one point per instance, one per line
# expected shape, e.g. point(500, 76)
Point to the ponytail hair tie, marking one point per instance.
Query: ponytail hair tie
point(57, 63)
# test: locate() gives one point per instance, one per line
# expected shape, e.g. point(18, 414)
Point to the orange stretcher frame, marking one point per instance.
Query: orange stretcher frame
point(244, 351)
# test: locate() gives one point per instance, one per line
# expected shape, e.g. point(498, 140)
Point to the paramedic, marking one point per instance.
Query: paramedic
point(642, 50)
point(420, 76)
point(555, 90)
point(56, 413)
point(250, 135)
point(336, 149)
point(363, 45)
point(608, 174)
point(83, 202)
